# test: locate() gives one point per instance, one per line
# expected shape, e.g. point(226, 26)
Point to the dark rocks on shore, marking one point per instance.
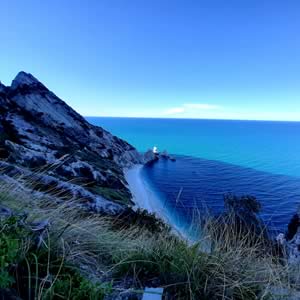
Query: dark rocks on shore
point(290, 241)
point(150, 156)
point(166, 155)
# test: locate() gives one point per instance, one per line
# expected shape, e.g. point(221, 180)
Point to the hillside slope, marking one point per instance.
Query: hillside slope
point(43, 138)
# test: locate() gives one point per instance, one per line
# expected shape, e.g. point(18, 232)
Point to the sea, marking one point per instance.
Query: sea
point(216, 157)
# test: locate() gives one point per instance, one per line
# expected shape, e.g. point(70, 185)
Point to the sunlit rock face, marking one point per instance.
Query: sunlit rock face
point(40, 131)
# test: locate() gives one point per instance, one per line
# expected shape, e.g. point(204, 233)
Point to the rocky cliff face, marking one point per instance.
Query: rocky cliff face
point(42, 137)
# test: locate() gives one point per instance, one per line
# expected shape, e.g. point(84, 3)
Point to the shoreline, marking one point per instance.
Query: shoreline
point(146, 198)
point(142, 194)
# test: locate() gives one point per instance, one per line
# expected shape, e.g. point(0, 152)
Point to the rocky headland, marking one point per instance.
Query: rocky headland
point(43, 138)
point(102, 246)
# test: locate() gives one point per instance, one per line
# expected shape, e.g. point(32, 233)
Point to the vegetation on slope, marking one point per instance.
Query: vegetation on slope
point(33, 272)
point(91, 256)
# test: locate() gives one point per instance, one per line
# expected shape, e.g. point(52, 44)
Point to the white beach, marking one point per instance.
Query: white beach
point(145, 197)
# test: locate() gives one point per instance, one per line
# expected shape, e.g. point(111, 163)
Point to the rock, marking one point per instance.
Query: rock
point(293, 248)
point(39, 130)
point(165, 154)
point(61, 190)
point(27, 157)
point(2, 87)
point(291, 241)
point(5, 212)
point(293, 226)
point(23, 79)
point(149, 156)
point(280, 238)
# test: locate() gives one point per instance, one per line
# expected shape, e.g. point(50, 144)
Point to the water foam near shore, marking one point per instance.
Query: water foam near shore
point(145, 197)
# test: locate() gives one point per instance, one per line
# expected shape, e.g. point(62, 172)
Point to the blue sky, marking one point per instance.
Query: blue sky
point(233, 59)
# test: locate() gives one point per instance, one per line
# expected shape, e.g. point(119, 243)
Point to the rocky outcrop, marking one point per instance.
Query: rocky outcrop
point(290, 241)
point(41, 134)
point(151, 157)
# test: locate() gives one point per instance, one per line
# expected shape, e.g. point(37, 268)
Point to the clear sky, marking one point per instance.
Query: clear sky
point(237, 59)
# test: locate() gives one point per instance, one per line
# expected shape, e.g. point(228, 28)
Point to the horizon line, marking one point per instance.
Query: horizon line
point(206, 119)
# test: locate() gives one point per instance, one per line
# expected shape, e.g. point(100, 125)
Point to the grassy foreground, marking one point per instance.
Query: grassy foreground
point(86, 256)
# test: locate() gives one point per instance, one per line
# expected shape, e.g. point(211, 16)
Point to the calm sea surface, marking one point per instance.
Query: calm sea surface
point(215, 157)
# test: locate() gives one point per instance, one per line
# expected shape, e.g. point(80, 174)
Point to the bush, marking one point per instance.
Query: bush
point(140, 218)
point(233, 258)
point(242, 214)
point(76, 287)
point(11, 249)
point(187, 272)
point(40, 273)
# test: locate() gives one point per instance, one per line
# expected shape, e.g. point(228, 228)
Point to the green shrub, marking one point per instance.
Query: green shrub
point(142, 219)
point(114, 194)
point(242, 212)
point(40, 273)
point(78, 288)
point(11, 248)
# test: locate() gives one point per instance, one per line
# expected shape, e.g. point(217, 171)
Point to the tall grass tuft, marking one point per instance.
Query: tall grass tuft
point(228, 261)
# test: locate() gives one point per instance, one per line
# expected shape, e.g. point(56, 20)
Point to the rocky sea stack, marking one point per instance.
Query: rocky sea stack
point(43, 138)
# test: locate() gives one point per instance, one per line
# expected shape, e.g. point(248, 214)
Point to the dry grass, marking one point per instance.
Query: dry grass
point(236, 266)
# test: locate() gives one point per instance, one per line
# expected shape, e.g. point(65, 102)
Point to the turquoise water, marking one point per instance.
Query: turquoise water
point(216, 157)
point(266, 146)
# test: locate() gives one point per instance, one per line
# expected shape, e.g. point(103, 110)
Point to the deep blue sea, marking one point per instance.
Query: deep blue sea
point(214, 157)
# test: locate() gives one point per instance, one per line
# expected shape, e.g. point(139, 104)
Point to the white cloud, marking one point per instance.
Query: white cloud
point(191, 107)
point(174, 111)
point(201, 106)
